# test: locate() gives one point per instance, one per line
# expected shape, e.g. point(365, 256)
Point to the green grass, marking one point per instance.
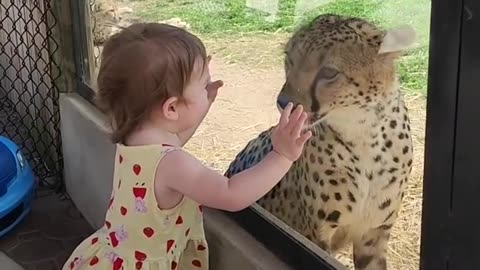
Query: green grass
point(231, 17)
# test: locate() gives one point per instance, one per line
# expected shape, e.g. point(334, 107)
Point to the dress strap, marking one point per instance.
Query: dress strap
point(169, 148)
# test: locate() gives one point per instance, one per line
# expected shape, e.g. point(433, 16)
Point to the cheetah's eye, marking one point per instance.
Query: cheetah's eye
point(327, 73)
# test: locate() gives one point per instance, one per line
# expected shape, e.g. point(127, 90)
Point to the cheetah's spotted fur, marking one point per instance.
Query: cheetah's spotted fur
point(104, 19)
point(348, 185)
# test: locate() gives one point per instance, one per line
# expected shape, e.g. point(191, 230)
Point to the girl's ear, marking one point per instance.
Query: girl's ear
point(170, 108)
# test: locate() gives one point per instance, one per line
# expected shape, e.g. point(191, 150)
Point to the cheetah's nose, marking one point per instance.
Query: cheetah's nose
point(282, 102)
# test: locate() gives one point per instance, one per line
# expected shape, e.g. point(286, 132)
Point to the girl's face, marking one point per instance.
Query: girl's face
point(196, 102)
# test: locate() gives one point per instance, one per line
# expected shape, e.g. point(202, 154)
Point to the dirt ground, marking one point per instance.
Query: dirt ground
point(246, 105)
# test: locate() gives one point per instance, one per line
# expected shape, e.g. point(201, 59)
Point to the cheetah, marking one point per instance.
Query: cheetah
point(104, 18)
point(348, 185)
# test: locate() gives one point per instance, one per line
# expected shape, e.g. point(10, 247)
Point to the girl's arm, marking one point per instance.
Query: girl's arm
point(185, 174)
point(213, 190)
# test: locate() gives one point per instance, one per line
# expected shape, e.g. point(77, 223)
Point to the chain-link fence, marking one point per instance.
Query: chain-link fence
point(29, 109)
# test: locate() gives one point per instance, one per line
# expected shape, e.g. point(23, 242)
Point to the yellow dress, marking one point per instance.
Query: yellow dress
point(137, 234)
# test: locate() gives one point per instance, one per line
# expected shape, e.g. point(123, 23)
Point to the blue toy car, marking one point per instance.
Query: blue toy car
point(16, 186)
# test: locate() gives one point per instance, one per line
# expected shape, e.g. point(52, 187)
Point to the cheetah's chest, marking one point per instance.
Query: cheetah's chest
point(380, 188)
point(365, 180)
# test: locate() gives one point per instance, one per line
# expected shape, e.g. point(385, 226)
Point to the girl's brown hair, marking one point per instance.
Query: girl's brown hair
point(142, 66)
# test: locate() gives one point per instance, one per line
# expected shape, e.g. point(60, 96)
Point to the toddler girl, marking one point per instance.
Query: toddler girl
point(155, 85)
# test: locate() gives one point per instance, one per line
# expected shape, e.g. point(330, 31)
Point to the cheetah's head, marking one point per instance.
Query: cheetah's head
point(107, 11)
point(339, 65)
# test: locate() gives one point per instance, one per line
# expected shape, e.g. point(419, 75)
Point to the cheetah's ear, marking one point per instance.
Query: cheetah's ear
point(398, 39)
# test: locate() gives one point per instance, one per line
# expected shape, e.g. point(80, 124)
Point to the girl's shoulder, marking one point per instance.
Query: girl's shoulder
point(140, 162)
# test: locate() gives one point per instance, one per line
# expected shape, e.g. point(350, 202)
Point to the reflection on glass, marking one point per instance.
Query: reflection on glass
point(270, 7)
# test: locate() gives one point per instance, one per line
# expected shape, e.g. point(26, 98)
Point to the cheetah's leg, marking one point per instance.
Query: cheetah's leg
point(323, 236)
point(370, 252)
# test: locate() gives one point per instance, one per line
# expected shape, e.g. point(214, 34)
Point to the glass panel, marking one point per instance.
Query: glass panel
point(247, 39)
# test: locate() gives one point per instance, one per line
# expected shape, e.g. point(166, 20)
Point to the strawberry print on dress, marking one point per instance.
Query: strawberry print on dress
point(139, 193)
point(118, 264)
point(135, 225)
point(137, 169)
point(170, 244)
point(197, 263)
point(148, 232)
point(76, 262)
point(179, 220)
point(94, 261)
point(118, 236)
point(140, 256)
point(94, 240)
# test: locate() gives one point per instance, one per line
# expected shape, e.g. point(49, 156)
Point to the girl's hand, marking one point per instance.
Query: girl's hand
point(287, 137)
point(212, 87)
